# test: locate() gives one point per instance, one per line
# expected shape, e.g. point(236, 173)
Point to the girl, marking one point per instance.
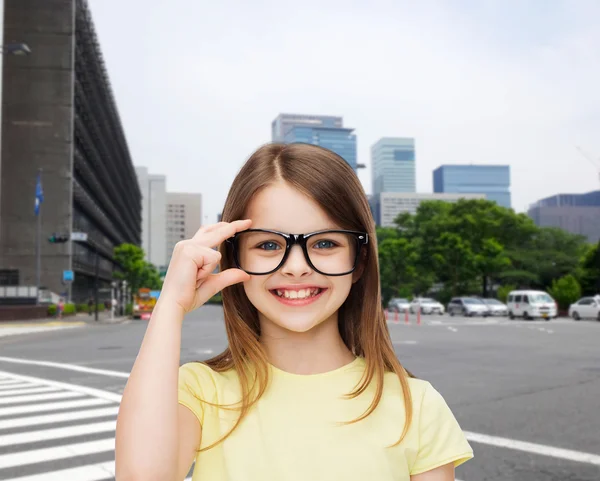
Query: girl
point(309, 387)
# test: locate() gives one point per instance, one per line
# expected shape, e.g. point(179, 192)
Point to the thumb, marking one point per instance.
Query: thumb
point(217, 282)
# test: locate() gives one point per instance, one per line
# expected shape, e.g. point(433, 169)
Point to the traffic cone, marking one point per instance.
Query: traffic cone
point(396, 317)
point(419, 317)
point(406, 320)
point(386, 314)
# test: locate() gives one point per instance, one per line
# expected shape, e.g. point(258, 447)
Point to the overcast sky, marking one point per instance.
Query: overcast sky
point(513, 82)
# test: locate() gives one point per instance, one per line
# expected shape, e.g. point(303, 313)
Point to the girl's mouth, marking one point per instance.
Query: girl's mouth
point(300, 297)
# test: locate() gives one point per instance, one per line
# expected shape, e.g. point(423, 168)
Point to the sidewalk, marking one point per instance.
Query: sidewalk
point(77, 319)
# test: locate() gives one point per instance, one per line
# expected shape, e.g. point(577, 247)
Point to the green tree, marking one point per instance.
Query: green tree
point(397, 260)
point(565, 291)
point(135, 270)
point(590, 270)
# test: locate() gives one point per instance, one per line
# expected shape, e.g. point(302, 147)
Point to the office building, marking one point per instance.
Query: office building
point(59, 115)
point(575, 213)
point(325, 131)
point(491, 180)
point(393, 165)
point(184, 218)
point(154, 216)
point(391, 204)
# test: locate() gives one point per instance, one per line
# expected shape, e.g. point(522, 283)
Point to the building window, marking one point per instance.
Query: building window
point(404, 155)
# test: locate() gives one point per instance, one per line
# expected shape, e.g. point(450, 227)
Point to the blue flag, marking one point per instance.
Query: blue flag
point(39, 194)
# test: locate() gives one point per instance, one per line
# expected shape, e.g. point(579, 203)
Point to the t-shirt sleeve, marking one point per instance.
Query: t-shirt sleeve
point(441, 439)
point(190, 392)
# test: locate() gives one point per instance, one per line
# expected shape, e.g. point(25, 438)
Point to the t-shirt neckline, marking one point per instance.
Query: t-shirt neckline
point(333, 372)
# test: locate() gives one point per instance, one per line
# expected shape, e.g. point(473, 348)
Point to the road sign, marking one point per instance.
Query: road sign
point(79, 236)
point(68, 276)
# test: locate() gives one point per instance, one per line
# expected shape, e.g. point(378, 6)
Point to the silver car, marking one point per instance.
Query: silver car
point(468, 306)
point(496, 307)
point(398, 304)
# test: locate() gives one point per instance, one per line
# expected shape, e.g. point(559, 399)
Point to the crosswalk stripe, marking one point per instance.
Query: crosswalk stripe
point(93, 472)
point(7, 382)
point(40, 397)
point(29, 390)
point(57, 433)
point(15, 385)
point(56, 453)
point(59, 406)
point(58, 418)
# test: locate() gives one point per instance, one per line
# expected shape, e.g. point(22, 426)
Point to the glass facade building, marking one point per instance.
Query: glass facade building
point(325, 131)
point(491, 180)
point(393, 165)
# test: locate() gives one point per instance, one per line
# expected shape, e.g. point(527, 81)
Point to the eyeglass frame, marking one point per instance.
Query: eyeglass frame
point(362, 239)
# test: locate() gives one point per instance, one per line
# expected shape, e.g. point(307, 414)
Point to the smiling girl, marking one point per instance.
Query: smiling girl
point(309, 387)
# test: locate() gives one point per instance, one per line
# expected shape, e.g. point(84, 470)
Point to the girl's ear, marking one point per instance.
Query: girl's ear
point(360, 268)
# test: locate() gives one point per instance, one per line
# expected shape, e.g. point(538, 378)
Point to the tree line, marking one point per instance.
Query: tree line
point(475, 247)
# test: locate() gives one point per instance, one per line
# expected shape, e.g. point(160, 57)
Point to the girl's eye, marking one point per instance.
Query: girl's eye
point(325, 244)
point(269, 246)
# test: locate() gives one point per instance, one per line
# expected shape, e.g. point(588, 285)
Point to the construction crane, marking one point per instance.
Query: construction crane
point(594, 162)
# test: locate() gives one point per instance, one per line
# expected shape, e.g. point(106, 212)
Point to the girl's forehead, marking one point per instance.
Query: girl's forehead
point(284, 208)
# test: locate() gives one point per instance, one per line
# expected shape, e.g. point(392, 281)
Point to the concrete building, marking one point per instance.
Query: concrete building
point(184, 218)
point(393, 165)
point(394, 203)
point(59, 115)
point(154, 216)
point(491, 180)
point(575, 213)
point(325, 131)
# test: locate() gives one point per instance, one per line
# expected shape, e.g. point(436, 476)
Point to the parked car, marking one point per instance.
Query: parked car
point(426, 305)
point(398, 304)
point(496, 307)
point(468, 306)
point(531, 304)
point(585, 308)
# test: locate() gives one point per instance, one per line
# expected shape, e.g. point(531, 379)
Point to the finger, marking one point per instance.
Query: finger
point(218, 282)
point(199, 254)
point(220, 234)
point(207, 228)
point(206, 270)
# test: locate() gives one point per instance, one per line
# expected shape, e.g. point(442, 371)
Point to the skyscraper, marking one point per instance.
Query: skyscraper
point(154, 211)
point(393, 165)
point(184, 217)
point(325, 131)
point(491, 180)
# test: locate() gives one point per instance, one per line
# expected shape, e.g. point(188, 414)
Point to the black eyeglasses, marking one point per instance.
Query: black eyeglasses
point(328, 252)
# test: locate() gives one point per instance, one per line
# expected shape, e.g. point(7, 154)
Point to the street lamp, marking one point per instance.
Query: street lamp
point(15, 49)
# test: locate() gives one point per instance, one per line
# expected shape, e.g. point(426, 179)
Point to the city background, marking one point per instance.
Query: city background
point(123, 125)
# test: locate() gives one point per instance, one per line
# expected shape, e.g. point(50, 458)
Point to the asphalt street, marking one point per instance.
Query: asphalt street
point(527, 393)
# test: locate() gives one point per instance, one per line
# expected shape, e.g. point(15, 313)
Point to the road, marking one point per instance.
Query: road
point(527, 394)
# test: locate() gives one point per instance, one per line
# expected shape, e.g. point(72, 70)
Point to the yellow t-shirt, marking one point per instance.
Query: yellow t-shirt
point(293, 432)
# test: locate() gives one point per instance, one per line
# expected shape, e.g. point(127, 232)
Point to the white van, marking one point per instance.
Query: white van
point(531, 304)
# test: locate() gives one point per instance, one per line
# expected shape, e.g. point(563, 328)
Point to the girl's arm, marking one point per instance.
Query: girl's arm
point(157, 438)
point(443, 473)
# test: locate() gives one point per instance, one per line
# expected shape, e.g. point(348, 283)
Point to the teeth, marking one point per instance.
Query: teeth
point(300, 294)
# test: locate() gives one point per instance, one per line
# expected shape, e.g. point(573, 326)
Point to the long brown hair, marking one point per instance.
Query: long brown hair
point(327, 179)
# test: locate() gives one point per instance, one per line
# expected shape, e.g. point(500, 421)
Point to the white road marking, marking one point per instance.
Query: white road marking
point(541, 449)
point(55, 453)
point(70, 367)
point(39, 397)
point(40, 408)
point(58, 418)
point(453, 329)
point(203, 351)
point(94, 472)
point(28, 390)
point(109, 396)
point(9, 382)
point(404, 342)
point(58, 433)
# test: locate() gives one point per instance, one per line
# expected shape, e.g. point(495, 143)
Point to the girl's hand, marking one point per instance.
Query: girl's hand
point(189, 282)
